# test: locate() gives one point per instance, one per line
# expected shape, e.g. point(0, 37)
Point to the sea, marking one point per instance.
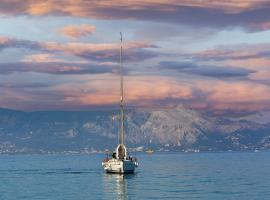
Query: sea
point(204, 176)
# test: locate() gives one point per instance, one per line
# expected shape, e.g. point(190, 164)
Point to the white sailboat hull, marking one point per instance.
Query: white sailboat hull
point(119, 166)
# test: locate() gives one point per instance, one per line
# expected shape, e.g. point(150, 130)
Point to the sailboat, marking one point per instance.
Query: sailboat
point(120, 162)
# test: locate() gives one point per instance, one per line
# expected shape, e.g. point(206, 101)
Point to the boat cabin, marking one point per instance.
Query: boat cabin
point(121, 152)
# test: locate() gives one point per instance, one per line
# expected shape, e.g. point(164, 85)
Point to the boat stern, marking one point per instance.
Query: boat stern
point(119, 166)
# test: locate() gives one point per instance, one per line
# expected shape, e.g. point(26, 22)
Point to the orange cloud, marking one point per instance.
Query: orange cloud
point(77, 31)
point(40, 7)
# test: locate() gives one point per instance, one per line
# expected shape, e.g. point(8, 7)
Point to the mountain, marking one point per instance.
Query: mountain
point(176, 129)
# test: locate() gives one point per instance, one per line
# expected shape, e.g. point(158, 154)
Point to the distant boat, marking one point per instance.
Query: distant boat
point(120, 162)
point(149, 151)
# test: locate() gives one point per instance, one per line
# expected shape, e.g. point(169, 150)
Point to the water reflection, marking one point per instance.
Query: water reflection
point(116, 185)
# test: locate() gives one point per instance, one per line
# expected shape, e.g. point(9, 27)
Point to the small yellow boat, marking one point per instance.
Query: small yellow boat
point(149, 151)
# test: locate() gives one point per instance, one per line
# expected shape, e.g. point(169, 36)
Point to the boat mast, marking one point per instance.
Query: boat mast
point(121, 94)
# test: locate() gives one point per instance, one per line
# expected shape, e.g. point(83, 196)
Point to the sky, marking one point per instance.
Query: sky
point(64, 54)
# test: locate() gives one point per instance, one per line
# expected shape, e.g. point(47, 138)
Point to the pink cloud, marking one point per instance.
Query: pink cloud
point(240, 92)
point(151, 91)
point(77, 31)
point(3, 40)
point(260, 26)
point(94, 90)
point(237, 95)
point(139, 90)
point(41, 58)
point(261, 65)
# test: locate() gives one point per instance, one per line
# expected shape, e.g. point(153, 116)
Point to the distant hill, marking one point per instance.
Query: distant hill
point(178, 129)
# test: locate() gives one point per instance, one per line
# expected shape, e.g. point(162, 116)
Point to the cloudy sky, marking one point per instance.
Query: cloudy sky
point(205, 54)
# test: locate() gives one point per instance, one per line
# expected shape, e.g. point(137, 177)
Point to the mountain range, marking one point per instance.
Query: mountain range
point(173, 129)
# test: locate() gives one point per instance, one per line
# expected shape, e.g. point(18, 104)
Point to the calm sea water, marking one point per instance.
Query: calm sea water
point(160, 176)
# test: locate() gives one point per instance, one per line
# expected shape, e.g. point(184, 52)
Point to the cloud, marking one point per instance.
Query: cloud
point(96, 91)
point(221, 96)
point(237, 96)
point(6, 42)
point(12, 85)
point(34, 99)
point(239, 92)
point(139, 90)
point(77, 31)
point(133, 51)
point(211, 71)
point(3, 40)
point(78, 7)
point(234, 52)
point(222, 72)
point(41, 58)
point(243, 60)
point(207, 13)
point(260, 64)
point(102, 90)
point(107, 52)
point(57, 68)
point(175, 65)
point(260, 26)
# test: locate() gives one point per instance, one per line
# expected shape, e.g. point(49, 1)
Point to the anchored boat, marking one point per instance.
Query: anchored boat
point(120, 162)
